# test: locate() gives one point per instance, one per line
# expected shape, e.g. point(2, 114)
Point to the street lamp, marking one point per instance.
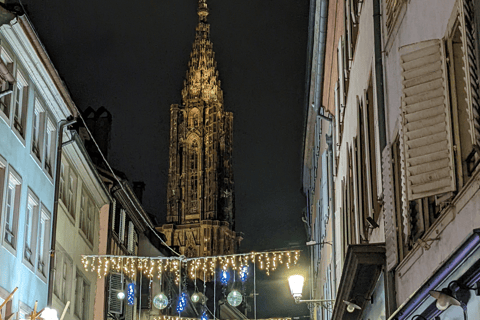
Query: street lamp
point(296, 285)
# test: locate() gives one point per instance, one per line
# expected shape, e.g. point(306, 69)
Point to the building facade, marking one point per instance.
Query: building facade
point(33, 102)
point(200, 195)
point(83, 202)
point(391, 158)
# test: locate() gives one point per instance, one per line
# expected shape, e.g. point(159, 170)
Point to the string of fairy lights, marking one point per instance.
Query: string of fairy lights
point(185, 318)
point(153, 267)
point(180, 268)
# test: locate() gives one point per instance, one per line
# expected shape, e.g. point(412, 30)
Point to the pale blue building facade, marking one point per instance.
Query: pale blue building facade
point(34, 101)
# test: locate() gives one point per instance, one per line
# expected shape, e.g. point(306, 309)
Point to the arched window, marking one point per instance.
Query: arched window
point(193, 166)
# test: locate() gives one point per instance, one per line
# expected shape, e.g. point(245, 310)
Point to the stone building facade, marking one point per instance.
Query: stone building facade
point(200, 196)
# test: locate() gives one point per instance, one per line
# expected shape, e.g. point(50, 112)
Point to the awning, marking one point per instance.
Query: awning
point(363, 265)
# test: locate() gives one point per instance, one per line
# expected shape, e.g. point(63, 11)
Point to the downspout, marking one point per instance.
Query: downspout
point(321, 54)
point(58, 160)
point(377, 31)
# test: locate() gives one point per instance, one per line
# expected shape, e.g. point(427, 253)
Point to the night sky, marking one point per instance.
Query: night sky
point(131, 57)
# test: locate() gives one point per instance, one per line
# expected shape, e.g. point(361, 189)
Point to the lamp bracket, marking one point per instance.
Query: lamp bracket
point(322, 303)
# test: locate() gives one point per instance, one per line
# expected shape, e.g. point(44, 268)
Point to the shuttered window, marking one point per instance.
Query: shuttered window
point(115, 305)
point(131, 237)
point(393, 9)
point(468, 35)
point(427, 127)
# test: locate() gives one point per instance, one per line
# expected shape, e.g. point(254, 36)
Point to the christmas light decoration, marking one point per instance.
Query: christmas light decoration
point(131, 294)
point(121, 295)
point(155, 266)
point(234, 298)
point(160, 301)
point(224, 277)
point(243, 273)
point(182, 302)
point(204, 316)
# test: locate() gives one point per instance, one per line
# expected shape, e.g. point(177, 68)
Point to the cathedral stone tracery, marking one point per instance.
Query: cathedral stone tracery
point(200, 195)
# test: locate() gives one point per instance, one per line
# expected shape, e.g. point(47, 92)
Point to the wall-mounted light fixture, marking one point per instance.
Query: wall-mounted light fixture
point(296, 287)
point(352, 305)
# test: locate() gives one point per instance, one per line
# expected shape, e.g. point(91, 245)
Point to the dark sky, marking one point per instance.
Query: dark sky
point(131, 57)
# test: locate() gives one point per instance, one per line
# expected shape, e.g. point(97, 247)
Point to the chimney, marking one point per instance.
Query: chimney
point(138, 188)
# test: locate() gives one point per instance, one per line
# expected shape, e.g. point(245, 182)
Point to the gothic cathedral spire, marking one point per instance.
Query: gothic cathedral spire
point(200, 194)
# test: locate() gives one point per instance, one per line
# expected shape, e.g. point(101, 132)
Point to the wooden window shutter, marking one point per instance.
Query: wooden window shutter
point(427, 127)
point(115, 305)
point(469, 34)
point(131, 237)
point(391, 240)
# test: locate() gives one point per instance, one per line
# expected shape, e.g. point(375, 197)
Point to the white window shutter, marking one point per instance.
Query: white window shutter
point(469, 34)
point(131, 234)
point(115, 305)
point(427, 127)
point(391, 241)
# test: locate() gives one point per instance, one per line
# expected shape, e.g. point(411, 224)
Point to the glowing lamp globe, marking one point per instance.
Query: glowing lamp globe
point(121, 295)
point(234, 298)
point(49, 314)
point(160, 301)
point(296, 285)
point(195, 297)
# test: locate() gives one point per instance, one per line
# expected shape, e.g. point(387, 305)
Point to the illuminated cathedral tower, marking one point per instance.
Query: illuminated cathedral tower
point(200, 196)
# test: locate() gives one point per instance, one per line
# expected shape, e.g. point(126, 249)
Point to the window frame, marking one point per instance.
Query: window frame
point(32, 204)
point(20, 104)
point(43, 253)
point(38, 131)
point(14, 182)
point(6, 101)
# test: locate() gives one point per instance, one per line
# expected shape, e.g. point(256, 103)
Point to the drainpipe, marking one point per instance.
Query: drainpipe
point(377, 31)
point(58, 160)
point(321, 52)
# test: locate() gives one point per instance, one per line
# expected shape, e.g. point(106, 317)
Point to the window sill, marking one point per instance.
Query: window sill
point(89, 244)
point(40, 275)
point(30, 266)
point(19, 136)
point(9, 248)
point(67, 213)
point(4, 117)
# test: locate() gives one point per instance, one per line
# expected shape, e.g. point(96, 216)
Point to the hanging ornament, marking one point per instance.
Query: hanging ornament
point(182, 302)
point(234, 298)
point(204, 316)
point(131, 294)
point(224, 277)
point(244, 273)
point(160, 301)
point(121, 295)
point(195, 297)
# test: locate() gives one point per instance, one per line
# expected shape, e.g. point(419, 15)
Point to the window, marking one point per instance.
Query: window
point(43, 241)
point(63, 275)
point(87, 211)
point(3, 166)
point(71, 192)
point(6, 66)
point(61, 184)
point(82, 294)
point(31, 218)
point(439, 128)
point(38, 128)
point(121, 229)
point(50, 144)
point(20, 104)
point(131, 237)
point(12, 204)
point(115, 305)
point(392, 9)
